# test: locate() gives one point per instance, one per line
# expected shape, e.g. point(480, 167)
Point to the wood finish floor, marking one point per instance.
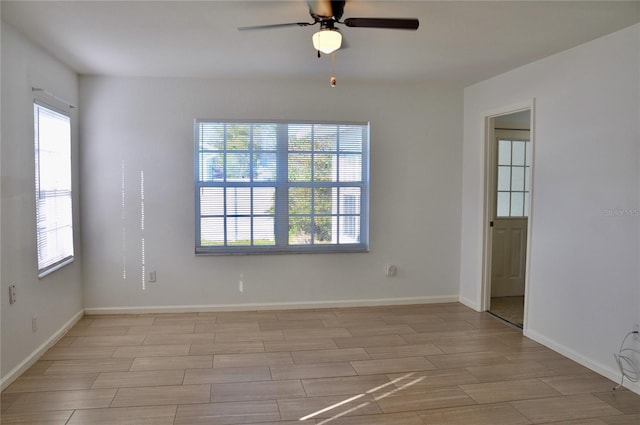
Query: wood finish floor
point(398, 365)
point(510, 309)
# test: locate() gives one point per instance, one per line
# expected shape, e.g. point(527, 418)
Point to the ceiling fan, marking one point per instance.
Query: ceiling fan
point(327, 13)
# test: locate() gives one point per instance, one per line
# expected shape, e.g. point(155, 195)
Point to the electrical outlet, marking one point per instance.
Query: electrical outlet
point(391, 270)
point(241, 283)
point(152, 276)
point(34, 324)
point(12, 294)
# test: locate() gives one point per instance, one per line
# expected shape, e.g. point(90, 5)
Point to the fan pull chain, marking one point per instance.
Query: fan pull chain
point(332, 80)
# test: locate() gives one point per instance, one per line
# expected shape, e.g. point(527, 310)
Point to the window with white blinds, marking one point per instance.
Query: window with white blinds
point(54, 223)
point(275, 187)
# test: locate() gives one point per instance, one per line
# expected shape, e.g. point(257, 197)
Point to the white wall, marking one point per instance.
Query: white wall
point(584, 287)
point(57, 298)
point(147, 125)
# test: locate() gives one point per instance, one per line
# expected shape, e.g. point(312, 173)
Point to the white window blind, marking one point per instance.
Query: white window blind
point(269, 187)
point(54, 223)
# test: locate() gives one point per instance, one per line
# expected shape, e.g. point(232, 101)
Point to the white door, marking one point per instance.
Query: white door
point(509, 255)
point(511, 210)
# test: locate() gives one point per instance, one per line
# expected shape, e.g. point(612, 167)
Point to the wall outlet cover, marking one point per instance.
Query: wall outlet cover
point(391, 270)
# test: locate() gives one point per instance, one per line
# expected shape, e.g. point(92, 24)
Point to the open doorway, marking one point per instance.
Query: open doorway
point(509, 163)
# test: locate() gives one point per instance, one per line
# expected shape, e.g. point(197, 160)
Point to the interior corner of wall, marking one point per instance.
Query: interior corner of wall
point(469, 303)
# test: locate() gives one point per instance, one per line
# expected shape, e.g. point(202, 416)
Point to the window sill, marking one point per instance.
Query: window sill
point(55, 267)
point(203, 251)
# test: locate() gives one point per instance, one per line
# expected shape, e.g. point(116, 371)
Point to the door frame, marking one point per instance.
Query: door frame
point(489, 200)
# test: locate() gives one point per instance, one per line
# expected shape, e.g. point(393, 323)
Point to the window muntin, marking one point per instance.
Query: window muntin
point(514, 163)
point(269, 187)
point(54, 216)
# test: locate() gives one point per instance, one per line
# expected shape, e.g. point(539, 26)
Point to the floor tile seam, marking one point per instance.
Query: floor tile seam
point(470, 402)
point(361, 405)
point(494, 354)
point(279, 409)
point(479, 405)
point(56, 362)
point(138, 406)
point(513, 402)
point(217, 335)
point(269, 397)
point(227, 352)
point(145, 344)
point(175, 415)
point(74, 411)
point(622, 391)
point(23, 394)
point(336, 363)
point(90, 387)
point(410, 390)
point(526, 397)
point(111, 406)
point(74, 345)
point(146, 386)
point(46, 358)
point(178, 318)
point(184, 375)
point(510, 379)
point(115, 394)
point(296, 351)
point(70, 416)
point(22, 412)
point(345, 398)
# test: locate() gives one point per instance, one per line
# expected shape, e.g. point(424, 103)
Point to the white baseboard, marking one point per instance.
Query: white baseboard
point(38, 352)
point(469, 303)
point(603, 370)
point(271, 306)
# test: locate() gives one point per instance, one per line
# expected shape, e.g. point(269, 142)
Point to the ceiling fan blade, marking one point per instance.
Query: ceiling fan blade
point(391, 23)
point(266, 27)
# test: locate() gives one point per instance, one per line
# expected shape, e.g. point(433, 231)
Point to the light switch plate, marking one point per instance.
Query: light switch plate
point(12, 294)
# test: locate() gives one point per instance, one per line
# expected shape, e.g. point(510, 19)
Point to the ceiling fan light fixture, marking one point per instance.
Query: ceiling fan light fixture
point(327, 40)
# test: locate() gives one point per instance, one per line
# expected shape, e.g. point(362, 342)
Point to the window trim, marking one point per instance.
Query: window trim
point(281, 202)
point(70, 256)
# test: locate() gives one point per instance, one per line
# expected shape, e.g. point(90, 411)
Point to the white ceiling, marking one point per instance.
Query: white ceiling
point(459, 42)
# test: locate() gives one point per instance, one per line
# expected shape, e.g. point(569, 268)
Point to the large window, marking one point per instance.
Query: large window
point(272, 187)
point(54, 224)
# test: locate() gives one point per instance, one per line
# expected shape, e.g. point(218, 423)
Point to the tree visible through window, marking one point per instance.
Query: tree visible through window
point(281, 187)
